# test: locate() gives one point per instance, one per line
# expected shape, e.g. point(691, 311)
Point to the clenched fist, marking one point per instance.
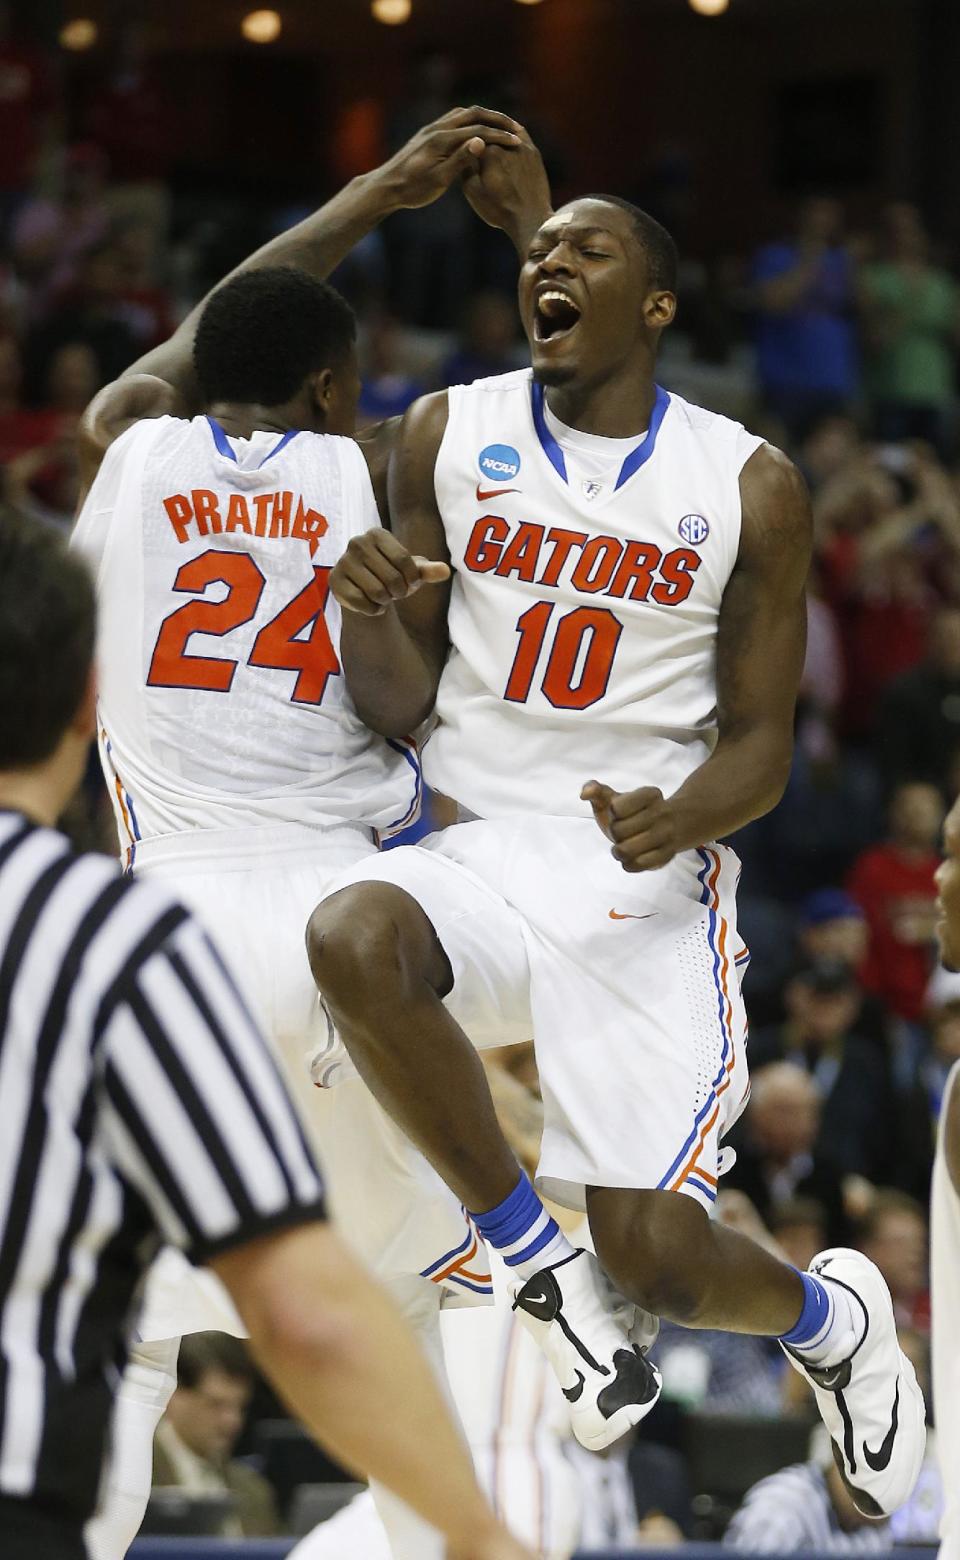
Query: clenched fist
point(376, 570)
point(641, 825)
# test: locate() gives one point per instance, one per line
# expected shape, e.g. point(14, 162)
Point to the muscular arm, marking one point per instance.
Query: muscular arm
point(394, 637)
point(761, 640)
point(340, 1355)
point(416, 175)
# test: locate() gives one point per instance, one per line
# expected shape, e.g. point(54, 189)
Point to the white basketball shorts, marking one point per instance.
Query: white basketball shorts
point(255, 893)
point(627, 983)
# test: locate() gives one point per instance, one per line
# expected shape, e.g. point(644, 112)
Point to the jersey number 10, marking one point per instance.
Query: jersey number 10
point(277, 646)
point(580, 660)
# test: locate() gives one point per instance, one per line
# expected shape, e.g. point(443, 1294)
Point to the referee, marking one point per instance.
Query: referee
point(139, 1105)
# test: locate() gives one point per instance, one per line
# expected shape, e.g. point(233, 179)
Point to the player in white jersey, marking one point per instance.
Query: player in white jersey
point(614, 666)
point(945, 1225)
point(236, 761)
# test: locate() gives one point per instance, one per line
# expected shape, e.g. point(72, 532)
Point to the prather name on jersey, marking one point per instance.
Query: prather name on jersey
point(202, 512)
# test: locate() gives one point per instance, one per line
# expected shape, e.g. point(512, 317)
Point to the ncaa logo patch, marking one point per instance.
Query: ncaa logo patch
point(694, 529)
point(499, 462)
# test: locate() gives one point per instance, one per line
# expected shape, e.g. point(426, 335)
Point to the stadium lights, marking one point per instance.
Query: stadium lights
point(261, 26)
point(391, 12)
point(709, 7)
point(79, 34)
point(528, 2)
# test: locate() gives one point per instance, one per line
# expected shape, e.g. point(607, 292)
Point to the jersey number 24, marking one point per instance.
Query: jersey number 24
point(277, 646)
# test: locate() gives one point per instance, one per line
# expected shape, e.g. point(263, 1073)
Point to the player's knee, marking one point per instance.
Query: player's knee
point(365, 945)
point(653, 1246)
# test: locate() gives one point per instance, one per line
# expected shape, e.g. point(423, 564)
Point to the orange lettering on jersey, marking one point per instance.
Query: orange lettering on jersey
point(309, 524)
point(636, 571)
point(179, 513)
point(485, 546)
point(238, 514)
point(563, 542)
point(520, 558)
point(280, 518)
point(261, 503)
point(206, 509)
point(602, 551)
point(677, 569)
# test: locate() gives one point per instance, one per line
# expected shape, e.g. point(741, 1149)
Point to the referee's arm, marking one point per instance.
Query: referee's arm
point(197, 1118)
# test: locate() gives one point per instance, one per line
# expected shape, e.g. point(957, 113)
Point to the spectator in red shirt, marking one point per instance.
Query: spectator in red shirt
point(894, 883)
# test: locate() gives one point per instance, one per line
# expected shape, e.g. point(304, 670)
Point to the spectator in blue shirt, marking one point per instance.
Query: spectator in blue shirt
point(804, 288)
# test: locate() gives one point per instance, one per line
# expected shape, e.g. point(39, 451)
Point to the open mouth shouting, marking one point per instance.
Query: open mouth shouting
point(555, 314)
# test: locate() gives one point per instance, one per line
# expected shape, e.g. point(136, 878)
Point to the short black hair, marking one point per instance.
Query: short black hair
point(47, 635)
point(663, 260)
point(262, 333)
point(201, 1352)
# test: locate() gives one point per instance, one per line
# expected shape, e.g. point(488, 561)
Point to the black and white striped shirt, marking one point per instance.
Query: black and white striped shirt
point(138, 1105)
point(792, 1510)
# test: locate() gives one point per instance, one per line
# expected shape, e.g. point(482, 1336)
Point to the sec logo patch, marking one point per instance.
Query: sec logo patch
point(499, 462)
point(694, 529)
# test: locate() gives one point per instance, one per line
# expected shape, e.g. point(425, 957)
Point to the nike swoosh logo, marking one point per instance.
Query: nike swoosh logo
point(615, 915)
point(574, 1394)
point(879, 1459)
point(484, 495)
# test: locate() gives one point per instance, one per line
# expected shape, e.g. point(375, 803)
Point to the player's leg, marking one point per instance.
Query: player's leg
point(645, 1073)
point(147, 1386)
point(945, 1294)
point(414, 943)
point(383, 974)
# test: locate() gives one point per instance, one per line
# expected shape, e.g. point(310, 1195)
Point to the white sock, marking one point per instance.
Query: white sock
point(145, 1391)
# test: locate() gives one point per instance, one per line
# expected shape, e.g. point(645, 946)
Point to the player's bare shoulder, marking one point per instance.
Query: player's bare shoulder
point(777, 520)
point(116, 408)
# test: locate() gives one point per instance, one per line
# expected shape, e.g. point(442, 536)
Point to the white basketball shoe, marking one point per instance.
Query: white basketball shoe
point(871, 1402)
point(596, 1343)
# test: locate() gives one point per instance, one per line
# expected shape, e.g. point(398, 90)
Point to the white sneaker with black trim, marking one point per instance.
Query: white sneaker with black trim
point(871, 1402)
point(596, 1344)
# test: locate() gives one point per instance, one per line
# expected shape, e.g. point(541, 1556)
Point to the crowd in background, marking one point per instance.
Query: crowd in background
point(840, 346)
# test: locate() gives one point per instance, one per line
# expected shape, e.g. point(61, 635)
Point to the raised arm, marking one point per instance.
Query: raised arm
point(163, 380)
point(760, 650)
point(394, 588)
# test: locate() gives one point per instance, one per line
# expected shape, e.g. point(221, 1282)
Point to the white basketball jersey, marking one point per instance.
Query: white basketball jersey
point(583, 615)
point(222, 702)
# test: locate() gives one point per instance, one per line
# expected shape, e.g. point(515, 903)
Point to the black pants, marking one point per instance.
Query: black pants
point(28, 1533)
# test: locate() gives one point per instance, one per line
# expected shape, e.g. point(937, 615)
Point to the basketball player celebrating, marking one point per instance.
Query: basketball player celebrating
point(237, 764)
point(945, 1223)
point(614, 666)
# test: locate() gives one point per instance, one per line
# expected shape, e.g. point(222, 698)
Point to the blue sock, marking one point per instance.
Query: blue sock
point(829, 1327)
point(524, 1233)
point(815, 1316)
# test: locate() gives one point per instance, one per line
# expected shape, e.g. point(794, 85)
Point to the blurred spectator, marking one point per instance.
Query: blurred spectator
point(95, 311)
point(21, 428)
point(833, 926)
point(197, 1434)
point(799, 1229)
point(823, 1005)
point(912, 318)
point(389, 385)
point(777, 1159)
point(487, 343)
point(805, 1507)
point(894, 1236)
point(806, 340)
point(894, 883)
point(51, 235)
point(27, 105)
point(828, 448)
point(130, 116)
point(919, 730)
